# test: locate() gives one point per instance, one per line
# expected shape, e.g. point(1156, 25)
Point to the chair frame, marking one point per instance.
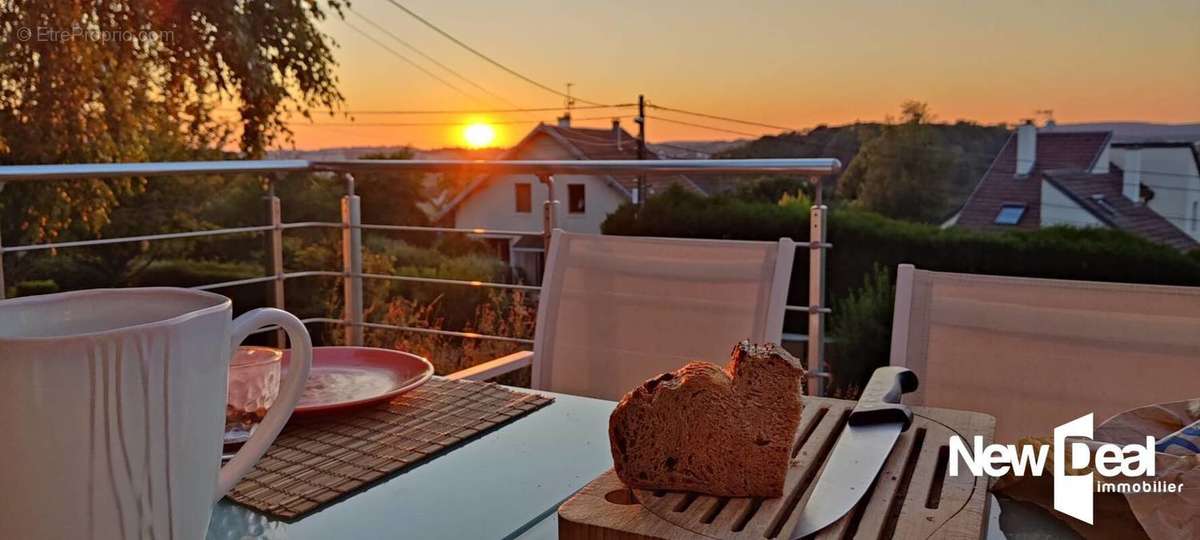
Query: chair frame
point(912, 317)
point(772, 332)
point(902, 315)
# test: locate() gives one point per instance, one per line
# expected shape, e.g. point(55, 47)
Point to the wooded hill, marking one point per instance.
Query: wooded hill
point(973, 146)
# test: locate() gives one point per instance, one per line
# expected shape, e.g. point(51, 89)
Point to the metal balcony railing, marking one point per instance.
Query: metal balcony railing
point(351, 225)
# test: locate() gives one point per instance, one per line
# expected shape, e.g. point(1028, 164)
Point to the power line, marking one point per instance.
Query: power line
point(464, 111)
point(414, 124)
point(591, 140)
point(485, 111)
point(725, 118)
point(402, 124)
point(487, 58)
point(430, 58)
point(702, 126)
point(406, 59)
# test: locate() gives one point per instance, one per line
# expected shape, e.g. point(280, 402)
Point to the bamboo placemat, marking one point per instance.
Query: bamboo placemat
point(318, 461)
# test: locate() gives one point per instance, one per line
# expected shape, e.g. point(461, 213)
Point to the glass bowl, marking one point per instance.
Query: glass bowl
point(253, 386)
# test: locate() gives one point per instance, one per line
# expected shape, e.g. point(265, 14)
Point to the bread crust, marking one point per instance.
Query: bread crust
point(725, 432)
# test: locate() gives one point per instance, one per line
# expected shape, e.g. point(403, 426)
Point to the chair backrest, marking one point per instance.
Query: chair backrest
point(1036, 353)
point(617, 310)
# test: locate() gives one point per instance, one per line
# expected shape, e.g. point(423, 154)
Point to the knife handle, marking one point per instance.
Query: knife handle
point(880, 400)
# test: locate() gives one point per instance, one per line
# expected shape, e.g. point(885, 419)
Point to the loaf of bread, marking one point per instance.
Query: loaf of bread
point(725, 432)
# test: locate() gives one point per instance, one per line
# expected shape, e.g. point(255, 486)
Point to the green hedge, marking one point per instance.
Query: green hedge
point(34, 287)
point(863, 240)
point(190, 273)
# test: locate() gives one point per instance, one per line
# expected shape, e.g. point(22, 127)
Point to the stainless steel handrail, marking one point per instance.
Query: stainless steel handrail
point(75, 171)
point(804, 167)
point(351, 224)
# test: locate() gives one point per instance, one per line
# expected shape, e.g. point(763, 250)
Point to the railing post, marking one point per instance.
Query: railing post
point(549, 212)
point(2, 292)
point(274, 262)
point(816, 289)
point(352, 264)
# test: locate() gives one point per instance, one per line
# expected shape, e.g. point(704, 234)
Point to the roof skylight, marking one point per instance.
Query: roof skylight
point(1010, 214)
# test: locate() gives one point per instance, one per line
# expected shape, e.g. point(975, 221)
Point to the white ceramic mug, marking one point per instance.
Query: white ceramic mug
point(112, 408)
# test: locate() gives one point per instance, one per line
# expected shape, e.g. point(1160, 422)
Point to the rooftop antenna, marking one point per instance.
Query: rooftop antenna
point(1047, 116)
point(564, 121)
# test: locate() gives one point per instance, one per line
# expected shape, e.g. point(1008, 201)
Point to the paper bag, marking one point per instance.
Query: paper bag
point(1159, 516)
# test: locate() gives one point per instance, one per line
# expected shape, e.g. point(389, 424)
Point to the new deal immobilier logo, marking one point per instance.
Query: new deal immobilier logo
point(1073, 494)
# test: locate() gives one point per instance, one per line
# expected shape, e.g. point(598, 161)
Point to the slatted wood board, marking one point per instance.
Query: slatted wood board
point(913, 497)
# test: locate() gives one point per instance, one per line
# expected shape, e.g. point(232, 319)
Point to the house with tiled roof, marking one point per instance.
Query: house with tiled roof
point(515, 202)
point(1044, 177)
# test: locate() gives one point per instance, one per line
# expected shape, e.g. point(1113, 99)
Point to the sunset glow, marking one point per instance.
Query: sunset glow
point(479, 135)
point(986, 62)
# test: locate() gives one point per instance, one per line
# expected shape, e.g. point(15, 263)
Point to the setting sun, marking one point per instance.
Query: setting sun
point(479, 135)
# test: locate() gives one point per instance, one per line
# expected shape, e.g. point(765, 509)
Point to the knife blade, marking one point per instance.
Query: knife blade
point(860, 451)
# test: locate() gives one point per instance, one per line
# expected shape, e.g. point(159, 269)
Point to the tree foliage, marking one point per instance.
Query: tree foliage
point(136, 80)
point(861, 327)
point(392, 198)
point(973, 146)
point(903, 172)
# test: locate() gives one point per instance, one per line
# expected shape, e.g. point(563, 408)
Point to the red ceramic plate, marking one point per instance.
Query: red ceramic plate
point(344, 377)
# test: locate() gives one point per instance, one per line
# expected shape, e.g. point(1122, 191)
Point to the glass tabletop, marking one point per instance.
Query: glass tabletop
point(508, 484)
point(495, 486)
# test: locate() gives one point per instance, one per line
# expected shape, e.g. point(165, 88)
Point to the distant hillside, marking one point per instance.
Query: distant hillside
point(356, 152)
point(460, 153)
point(1138, 131)
point(975, 146)
point(692, 149)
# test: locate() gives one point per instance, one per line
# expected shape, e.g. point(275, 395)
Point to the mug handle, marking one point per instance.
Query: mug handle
point(285, 402)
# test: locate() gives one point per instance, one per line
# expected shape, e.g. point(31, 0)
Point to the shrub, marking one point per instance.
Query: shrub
point(861, 331)
point(34, 287)
point(456, 244)
point(189, 273)
point(66, 268)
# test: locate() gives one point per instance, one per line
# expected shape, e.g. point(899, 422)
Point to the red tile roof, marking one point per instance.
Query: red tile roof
point(595, 143)
point(1116, 210)
point(999, 186)
point(1065, 160)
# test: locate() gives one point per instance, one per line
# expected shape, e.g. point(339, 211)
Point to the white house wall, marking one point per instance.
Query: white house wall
point(1171, 173)
point(1059, 209)
point(494, 205)
point(1102, 163)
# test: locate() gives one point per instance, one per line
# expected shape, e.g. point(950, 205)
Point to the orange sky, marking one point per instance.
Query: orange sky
point(780, 62)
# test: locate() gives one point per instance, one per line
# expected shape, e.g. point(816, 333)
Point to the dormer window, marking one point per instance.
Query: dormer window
point(1010, 214)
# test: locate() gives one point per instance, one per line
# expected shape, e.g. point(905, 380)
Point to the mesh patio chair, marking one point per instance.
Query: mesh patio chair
point(1036, 353)
point(615, 311)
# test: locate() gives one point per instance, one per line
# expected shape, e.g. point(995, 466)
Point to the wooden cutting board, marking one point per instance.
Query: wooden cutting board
point(913, 497)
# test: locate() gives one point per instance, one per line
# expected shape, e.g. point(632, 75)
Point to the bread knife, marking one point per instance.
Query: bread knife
point(871, 431)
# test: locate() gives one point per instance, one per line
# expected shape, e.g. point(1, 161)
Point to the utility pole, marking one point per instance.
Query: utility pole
point(570, 103)
point(641, 148)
